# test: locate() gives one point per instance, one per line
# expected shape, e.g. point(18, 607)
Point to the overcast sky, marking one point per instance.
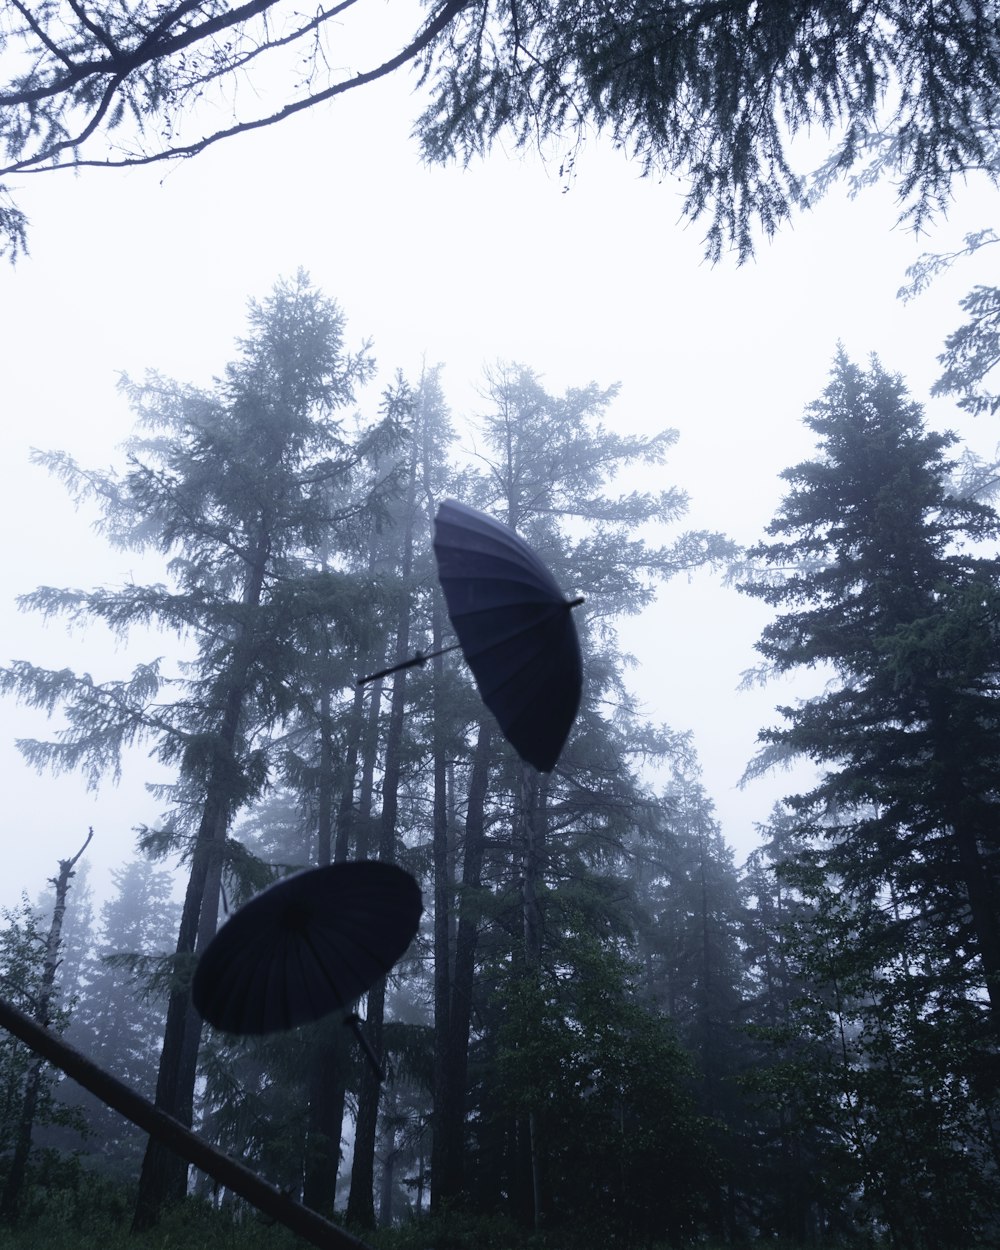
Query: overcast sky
point(595, 281)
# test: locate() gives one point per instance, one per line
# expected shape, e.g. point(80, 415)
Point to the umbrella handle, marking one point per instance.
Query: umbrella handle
point(419, 658)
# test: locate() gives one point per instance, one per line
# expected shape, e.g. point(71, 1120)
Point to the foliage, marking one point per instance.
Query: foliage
point(972, 351)
point(597, 999)
point(716, 92)
point(22, 970)
point(893, 856)
point(605, 1079)
point(119, 1014)
point(93, 1216)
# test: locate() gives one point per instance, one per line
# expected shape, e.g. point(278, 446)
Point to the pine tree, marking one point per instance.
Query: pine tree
point(237, 488)
point(881, 575)
point(558, 844)
point(119, 1018)
point(28, 963)
point(690, 912)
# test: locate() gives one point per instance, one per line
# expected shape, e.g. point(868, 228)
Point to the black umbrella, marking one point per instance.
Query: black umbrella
point(307, 946)
point(515, 628)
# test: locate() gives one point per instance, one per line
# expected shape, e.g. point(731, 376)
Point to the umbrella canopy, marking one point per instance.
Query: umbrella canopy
point(515, 627)
point(309, 945)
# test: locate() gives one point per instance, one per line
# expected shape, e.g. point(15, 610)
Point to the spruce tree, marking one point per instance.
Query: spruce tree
point(886, 582)
point(888, 585)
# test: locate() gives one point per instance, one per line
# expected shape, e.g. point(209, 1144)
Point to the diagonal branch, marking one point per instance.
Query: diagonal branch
point(235, 1176)
point(430, 32)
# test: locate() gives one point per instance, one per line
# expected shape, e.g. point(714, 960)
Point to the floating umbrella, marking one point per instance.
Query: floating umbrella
point(307, 946)
point(515, 628)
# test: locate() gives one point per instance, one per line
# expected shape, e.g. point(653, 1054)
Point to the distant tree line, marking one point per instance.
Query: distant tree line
point(605, 1031)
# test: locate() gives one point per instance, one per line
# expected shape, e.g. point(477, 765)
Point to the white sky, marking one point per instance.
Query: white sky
point(152, 268)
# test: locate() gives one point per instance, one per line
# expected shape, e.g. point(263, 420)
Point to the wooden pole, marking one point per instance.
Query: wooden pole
point(265, 1197)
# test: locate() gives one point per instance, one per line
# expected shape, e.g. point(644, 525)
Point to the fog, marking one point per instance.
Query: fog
point(595, 278)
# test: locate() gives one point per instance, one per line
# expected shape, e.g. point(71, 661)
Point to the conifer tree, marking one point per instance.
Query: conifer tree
point(886, 580)
point(27, 1083)
point(236, 487)
point(886, 584)
point(119, 1018)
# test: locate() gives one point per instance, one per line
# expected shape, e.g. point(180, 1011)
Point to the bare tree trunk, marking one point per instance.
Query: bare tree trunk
point(163, 1178)
point(442, 947)
point(345, 812)
point(327, 1095)
point(531, 837)
point(389, 1155)
point(11, 1203)
point(328, 1060)
point(448, 1173)
point(360, 1201)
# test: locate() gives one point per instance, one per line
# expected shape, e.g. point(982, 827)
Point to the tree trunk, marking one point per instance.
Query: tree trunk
point(389, 1153)
point(327, 1093)
point(978, 888)
point(531, 841)
point(11, 1203)
point(360, 1201)
point(448, 1173)
point(163, 1178)
point(442, 906)
point(330, 1052)
point(345, 811)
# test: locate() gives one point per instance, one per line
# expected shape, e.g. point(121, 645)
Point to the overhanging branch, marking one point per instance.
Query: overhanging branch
point(43, 161)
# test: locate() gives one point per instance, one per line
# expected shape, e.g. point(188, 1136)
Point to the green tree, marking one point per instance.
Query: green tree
point(716, 92)
point(45, 1012)
point(607, 1082)
point(27, 1084)
point(237, 488)
point(119, 1017)
point(554, 848)
point(689, 944)
point(972, 351)
point(797, 1174)
point(879, 571)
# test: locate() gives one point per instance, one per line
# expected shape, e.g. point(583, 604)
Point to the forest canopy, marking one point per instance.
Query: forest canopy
point(714, 93)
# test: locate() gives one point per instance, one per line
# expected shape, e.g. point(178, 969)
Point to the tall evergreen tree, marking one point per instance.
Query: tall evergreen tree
point(46, 1010)
point(691, 905)
point(796, 1175)
point(235, 487)
point(558, 845)
point(887, 587)
point(884, 581)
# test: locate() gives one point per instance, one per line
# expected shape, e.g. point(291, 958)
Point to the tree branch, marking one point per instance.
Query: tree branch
point(279, 1206)
point(412, 50)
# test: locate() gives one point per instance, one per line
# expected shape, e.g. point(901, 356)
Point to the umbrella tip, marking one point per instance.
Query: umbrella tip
point(575, 603)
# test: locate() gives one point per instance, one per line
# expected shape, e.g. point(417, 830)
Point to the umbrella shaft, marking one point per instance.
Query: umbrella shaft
point(419, 658)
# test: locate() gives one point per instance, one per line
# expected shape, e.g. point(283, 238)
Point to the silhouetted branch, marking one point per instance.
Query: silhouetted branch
point(279, 1206)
